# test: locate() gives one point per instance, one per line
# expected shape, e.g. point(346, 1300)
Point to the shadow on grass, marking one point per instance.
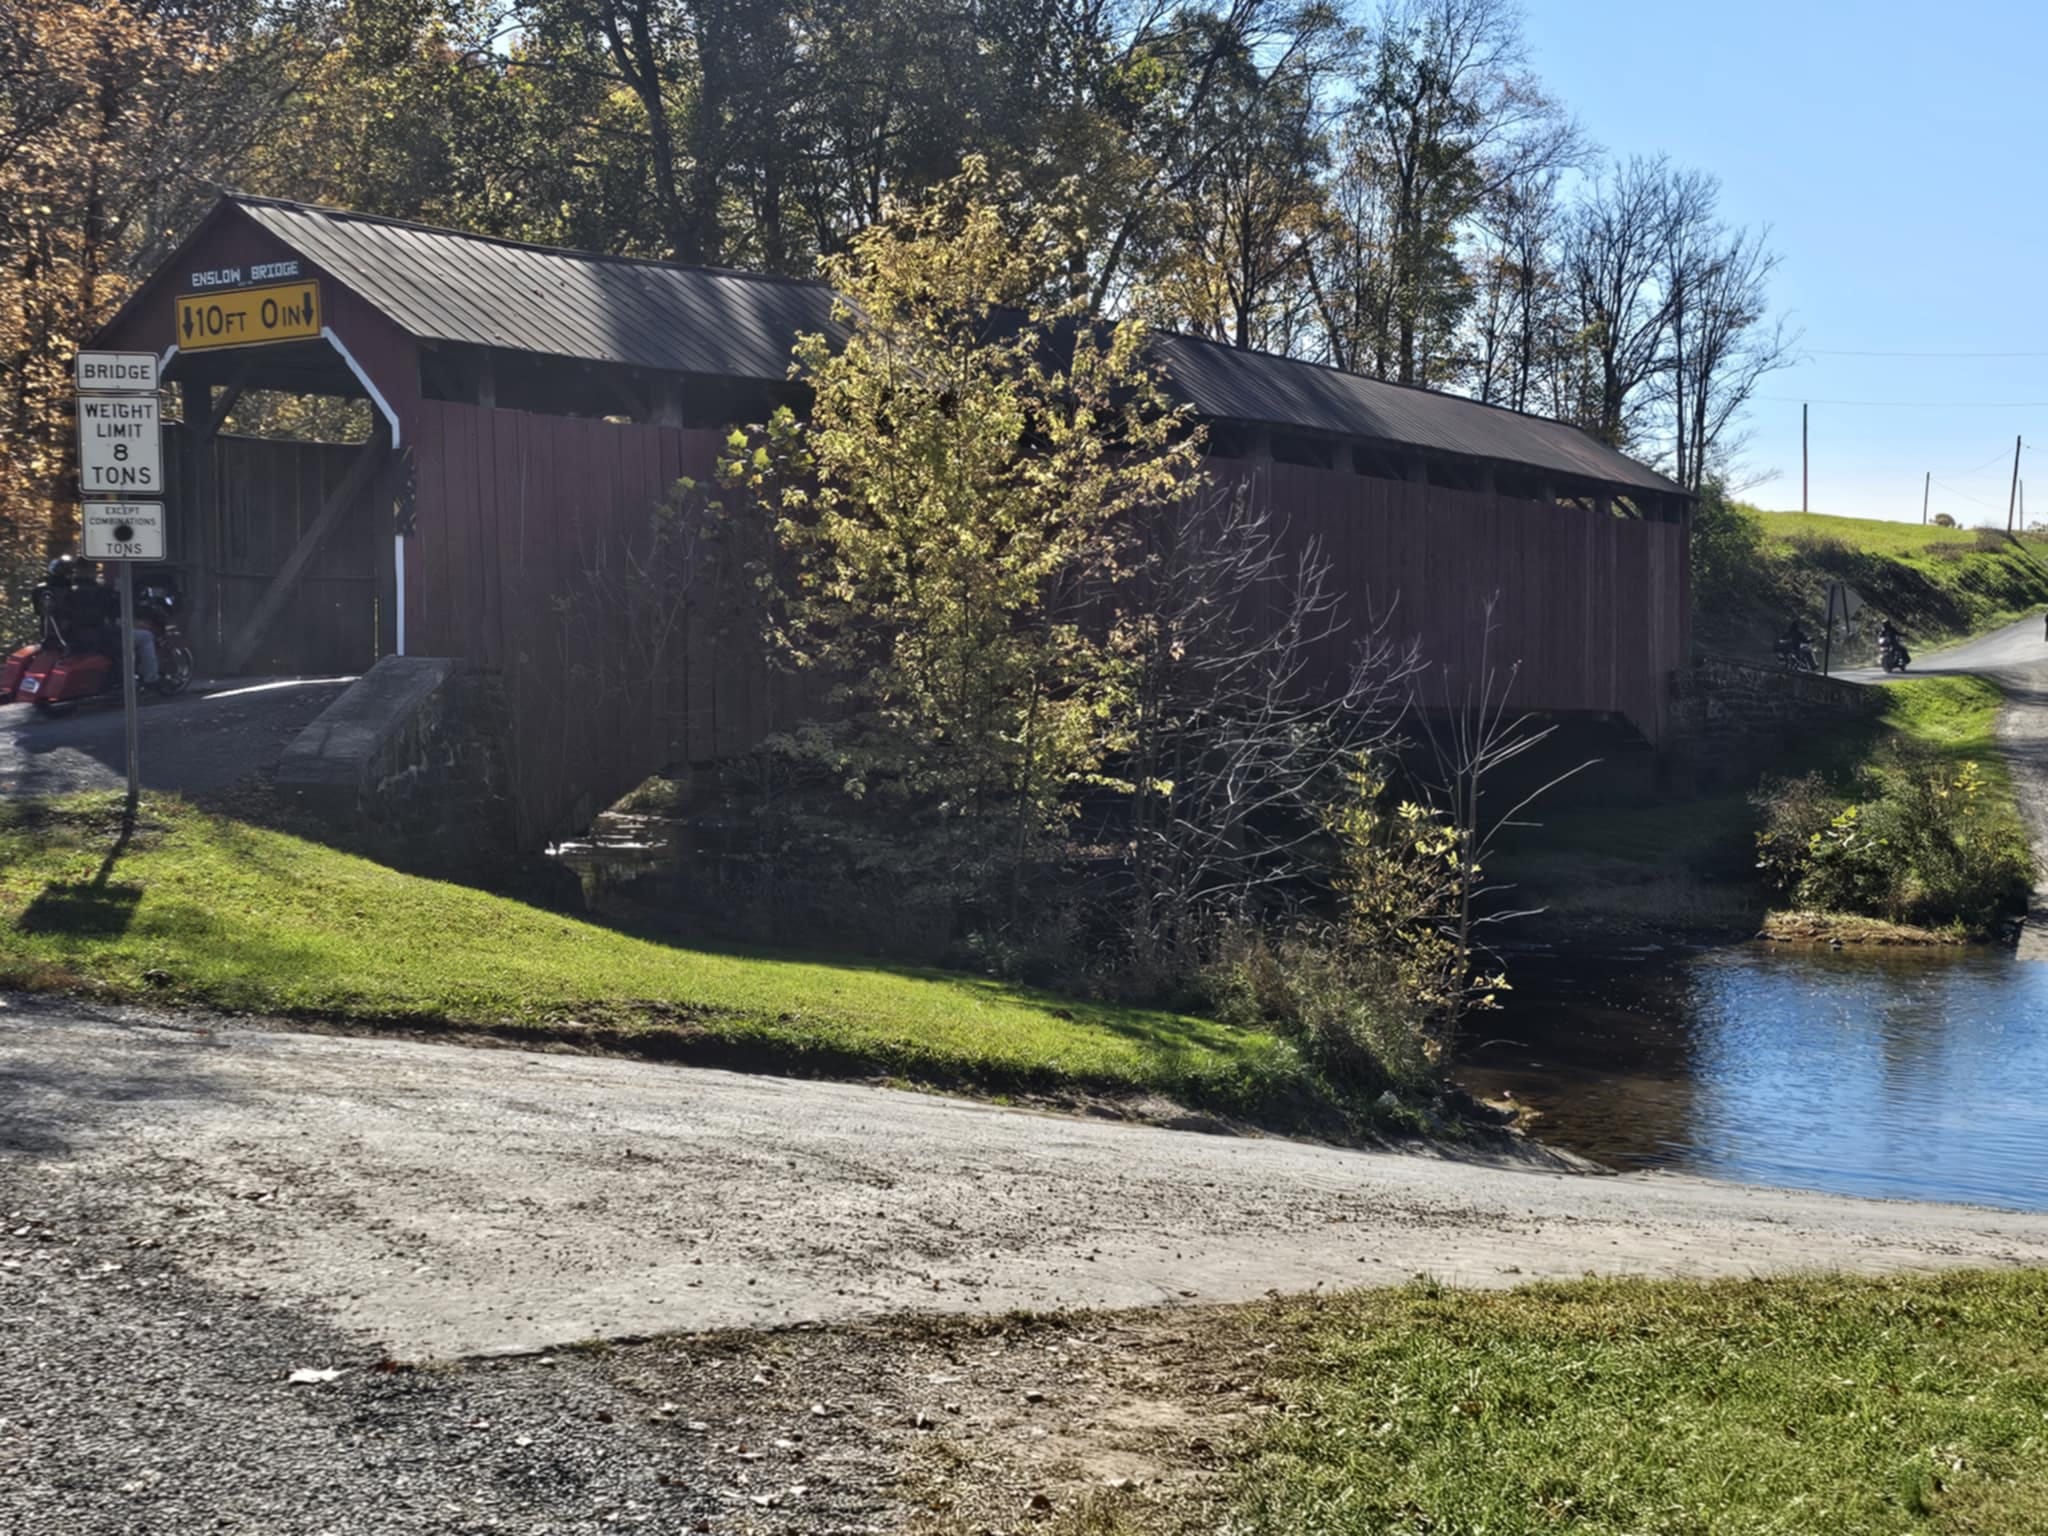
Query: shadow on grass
point(97, 908)
point(85, 909)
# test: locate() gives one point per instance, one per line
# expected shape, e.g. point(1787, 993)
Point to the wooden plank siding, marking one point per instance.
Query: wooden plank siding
point(513, 506)
point(1593, 607)
point(266, 492)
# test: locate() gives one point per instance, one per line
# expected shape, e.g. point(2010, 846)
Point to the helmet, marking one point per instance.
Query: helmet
point(66, 571)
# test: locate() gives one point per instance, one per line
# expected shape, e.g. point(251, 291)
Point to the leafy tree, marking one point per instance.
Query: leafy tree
point(1446, 114)
point(1251, 191)
point(118, 118)
point(1727, 550)
point(950, 510)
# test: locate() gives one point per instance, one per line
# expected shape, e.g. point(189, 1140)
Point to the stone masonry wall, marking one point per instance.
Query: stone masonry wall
point(1730, 720)
point(409, 766)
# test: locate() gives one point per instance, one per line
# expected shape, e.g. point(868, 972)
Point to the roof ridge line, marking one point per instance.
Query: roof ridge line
point(1413, 389)
point(567, 252)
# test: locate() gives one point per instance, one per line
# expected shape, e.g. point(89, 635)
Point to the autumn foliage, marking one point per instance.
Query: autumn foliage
point(93, 96)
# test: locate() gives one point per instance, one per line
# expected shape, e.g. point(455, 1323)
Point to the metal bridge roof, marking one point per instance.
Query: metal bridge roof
point(1231, 383)
point(442, 285)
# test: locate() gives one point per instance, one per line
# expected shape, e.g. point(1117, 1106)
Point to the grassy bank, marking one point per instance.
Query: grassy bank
point(1938, 584)
point(199, 909)
point(1691, 864)
point(1809, 1406)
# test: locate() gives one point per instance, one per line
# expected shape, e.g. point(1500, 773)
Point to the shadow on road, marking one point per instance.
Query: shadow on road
point(195, 744)
point(54, 1102)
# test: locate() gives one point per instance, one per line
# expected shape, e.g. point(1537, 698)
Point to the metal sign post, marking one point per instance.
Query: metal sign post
point(120, 451)
point(129, 704)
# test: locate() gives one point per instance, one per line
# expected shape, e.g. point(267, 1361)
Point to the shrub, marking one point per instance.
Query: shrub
point(1727, 548)
point(1923, 841)
point(1347, 1012)
point(1823, 550)
point(1795, 813)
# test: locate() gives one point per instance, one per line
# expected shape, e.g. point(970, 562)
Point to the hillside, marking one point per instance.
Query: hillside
point(1937, 584)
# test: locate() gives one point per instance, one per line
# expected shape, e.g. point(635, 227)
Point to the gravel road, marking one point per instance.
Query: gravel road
point(2015, 658)
point(191, 1211)
point(433, 1200)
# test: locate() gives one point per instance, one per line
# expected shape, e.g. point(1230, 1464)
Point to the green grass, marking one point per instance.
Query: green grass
point(1803, 1407)
point(1955, 716)
point(1938, 584)
point(1876, 536)
point(243, 918)
point(1690, 863)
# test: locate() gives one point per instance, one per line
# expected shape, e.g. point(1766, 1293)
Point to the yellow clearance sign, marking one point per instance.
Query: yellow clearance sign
point(247, 317)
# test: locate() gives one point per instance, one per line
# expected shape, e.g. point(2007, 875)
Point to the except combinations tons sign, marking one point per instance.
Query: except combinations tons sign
point(247, 306)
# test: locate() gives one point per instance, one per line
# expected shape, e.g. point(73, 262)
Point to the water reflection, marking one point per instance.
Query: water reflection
point(1921, 1076)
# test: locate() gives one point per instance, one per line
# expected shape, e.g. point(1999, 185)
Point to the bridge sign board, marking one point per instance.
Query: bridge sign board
point(120, 445)
point(117, 373)
point(247, 317)
point(121, 453)
point(124, 530)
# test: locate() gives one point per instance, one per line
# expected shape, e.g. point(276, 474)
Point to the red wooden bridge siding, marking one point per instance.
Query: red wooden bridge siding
point(512, 506)
point(1591, 606)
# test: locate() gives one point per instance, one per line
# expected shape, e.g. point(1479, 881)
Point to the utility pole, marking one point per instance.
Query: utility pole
point(1926, 486)
point(2012, 496)
point(1803, 462)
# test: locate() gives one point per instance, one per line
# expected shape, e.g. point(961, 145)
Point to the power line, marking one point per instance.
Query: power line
point(1987, 506)
point(1828, 352)
point(1996, 458)
point(1916, 405)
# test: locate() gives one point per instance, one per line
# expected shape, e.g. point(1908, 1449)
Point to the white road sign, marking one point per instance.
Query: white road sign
point(120, 446)
point(117, 373)
point(124, 530)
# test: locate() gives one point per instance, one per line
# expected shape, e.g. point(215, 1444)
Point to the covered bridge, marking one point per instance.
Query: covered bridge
point(529, 406)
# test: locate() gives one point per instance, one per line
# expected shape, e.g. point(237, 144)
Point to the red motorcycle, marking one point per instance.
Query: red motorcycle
point(54, 675)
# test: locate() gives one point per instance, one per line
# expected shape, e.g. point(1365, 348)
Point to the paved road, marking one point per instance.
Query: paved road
point(2015, 658)
point(442, 1200)
point(202, 742)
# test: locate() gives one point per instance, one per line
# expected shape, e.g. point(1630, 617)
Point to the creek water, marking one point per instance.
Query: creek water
point(1920, 1075)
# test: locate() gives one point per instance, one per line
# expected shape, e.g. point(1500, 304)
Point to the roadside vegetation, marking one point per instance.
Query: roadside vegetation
point(1755, 570)
point(1908, 817)
point(1818, 1406)
point(1897, 828)
point(1918, 827)
point(198, 909)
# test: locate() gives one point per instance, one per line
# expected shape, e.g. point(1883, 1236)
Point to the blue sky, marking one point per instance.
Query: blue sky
point(1898, 153)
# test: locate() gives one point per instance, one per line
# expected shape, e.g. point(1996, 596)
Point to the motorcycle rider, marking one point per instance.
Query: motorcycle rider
point(1889, 640)
point(85, 614)
point(75, 610)
point(1796, 645)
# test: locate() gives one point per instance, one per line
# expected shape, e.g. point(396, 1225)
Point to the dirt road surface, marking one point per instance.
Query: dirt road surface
point(434, 1200)
point(2015, 658)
